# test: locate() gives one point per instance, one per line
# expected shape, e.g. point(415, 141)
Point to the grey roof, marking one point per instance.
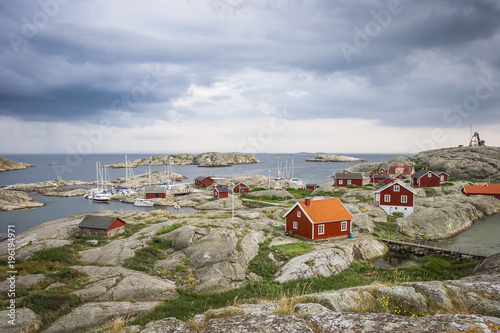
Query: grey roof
point(97, 222)
point(420, 173)
point(348, 175)
point(160, 189)
point(378, 176)
point(222, 189)
point(311, 185)
point(200, 178)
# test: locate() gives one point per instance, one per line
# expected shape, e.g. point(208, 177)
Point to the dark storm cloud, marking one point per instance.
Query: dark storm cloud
point(93, 59)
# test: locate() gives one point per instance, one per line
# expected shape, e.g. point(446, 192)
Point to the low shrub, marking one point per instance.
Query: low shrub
point(168, 229)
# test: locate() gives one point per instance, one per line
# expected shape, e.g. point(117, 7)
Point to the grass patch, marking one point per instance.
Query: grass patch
point(160, 244)
point(299, 193)
point(285, 252)
point(387, 229)
point(335, 193)
point(429, 192)
point(394, 216)
point(144, 259)
point(50, 306)
point(62, 254)
point(262, 265)
point(447, 184)
point(168, 229)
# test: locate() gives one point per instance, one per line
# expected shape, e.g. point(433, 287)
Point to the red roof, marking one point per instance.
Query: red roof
point(405, 170)
point(326, 210)
point(474, 189)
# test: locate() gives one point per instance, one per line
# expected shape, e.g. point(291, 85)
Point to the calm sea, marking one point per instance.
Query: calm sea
point(76, 167)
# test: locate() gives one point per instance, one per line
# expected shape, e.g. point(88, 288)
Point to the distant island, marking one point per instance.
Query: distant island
point(8, 165)
point(211, 159)
point(335, 158)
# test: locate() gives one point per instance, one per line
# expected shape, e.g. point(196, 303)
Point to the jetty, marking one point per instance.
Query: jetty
point(424, 248)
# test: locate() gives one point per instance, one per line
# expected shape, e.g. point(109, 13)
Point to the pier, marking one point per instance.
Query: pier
point(423, 248)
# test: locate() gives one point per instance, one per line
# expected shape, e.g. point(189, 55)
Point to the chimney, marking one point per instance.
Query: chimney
point(308, 202)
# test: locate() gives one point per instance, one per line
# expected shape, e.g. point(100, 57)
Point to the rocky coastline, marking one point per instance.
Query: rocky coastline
point(335, 158)
point(8, 165)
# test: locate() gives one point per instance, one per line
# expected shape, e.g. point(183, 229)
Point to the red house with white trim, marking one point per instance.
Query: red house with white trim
point(203, 181)
point(396, 197)
point(443, 176)
point(377, 178)
point(319, 219)
point(348, 178)
point(425, 178)
point(401, 170)
point(241, 188)
point(221, 192)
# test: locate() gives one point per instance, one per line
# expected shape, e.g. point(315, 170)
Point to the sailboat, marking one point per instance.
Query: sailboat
point(99, 194)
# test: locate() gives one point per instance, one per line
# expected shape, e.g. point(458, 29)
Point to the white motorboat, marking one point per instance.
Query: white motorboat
point(100, 197)
point(143, 203)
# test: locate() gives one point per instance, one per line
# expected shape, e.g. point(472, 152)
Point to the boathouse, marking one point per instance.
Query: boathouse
point(203, 181)
point(101, 226)
point(155, 192)
point(396, 197)
point(221, 192)
point(348, 178)
point(319, 219)
point(425, 178)
point(491, 190)
point(311, 187)
point(241, 188)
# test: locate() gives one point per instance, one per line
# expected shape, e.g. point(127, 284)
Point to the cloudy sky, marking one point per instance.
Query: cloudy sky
point(388, 76)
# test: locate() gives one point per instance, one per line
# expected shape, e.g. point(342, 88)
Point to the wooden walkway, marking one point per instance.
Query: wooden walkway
point(421, 248)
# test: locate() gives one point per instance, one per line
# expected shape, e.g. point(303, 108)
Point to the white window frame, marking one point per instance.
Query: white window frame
point(343, 226)
point(429, 175)
point(387, 198)
point(349, 182)
point(321, 229)
point(299, 213)
point(295, 225)
point(404, 199)
point(341, 182)
point(396, 188)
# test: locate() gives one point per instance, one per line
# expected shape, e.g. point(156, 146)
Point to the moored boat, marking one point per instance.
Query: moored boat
point(143, 203)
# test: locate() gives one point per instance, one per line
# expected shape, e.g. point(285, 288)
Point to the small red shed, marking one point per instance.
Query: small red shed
point(311, 187)
point(101, 226)
point(396, 197)
point(425, 178)
point(443, 176)
point(221, 192)
point(490, 190)
point(241, 188)
point(203, 181)
point(155, 192)
point(319, 219)
point(348, 178)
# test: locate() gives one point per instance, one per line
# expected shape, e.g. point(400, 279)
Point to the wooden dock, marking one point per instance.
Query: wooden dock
point(422, 248)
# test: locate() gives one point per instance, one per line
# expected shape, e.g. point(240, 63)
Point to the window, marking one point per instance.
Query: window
point(295, 225)
point(321, 229)
point(343, 226)
point(404, 199)
point(387, 198)
point(396, 188)
point(429, 175)
point(341, 181)
point(299, 213)
point(349, 182)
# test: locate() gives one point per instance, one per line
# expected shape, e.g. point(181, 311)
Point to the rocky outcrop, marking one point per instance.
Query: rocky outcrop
point(91, 315)
point(335, 158)
point(221, 204)
point(24, 281)
point(447, 215)
point(25, 321)
point(368, 167)
point(14, 200)
point(468, 163)
point(8, 165)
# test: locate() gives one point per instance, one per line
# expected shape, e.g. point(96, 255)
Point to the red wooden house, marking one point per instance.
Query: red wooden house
point(401, 170)
point(101, 226)
point(311, 187)
point(396, 197)
point(221, 192)
point(319, 219)
point(155, 192)
point(443, 176)
point(425, 178)
point(241, 188)
point(348, 178)
point(377, 178)
point(203, 181)
point(490, 190)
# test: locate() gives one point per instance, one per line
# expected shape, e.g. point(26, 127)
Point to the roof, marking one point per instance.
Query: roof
point(398, 182)
point(222, 189)
point(242, 185)
point(159, 189)
point(379, 176)
point(321, 211)
point(200, 178)
point(348, 175)
point(97, 222)
point(405, 170)
point(475, 189)
point(311, 185)
point(440, 173)
point(420, 173)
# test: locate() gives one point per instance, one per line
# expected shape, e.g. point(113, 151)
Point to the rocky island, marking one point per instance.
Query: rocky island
point(335, 158)
point(211, 159)
point(8, 165)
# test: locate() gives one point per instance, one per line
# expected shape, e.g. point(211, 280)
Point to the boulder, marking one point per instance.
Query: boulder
point(257, 323)
point(25, 321)
point(114, 253)
point(166, 325)
point(23, 281)
point(91, 315)
point(363, 222)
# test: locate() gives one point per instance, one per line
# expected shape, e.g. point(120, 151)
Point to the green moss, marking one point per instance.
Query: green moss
point(285, 252)
point(168, 229)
